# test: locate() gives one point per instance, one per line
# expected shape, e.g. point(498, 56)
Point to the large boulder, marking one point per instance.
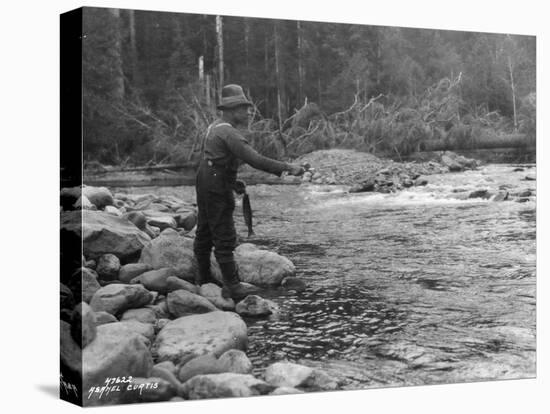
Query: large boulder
point(287, 374)
point(156, 280)
point(98, 196)
point(108, 266)
point(258, 266)
point(451, 163)
point(235, 361)
point(201, 365)
point(175, 283)
point(213, 293)
point(254, 305)
point(224, 385)
point(186, 219)
point(117, 298)
point(137, 218)
point(103, 317)
point(131, 327)
point(162, 221)
point(114, 353)
point(195, 335)
point(143, 315)
point(132, 270)
point(102, 233)
point(182, 302)
point(171, 250)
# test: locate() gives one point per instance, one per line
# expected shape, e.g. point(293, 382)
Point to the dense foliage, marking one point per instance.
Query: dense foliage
point(315, 85)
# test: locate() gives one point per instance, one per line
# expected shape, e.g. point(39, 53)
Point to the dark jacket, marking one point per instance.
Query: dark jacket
point(226, 148)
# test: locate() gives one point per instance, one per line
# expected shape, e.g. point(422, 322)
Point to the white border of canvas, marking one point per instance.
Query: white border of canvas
point(30, 171)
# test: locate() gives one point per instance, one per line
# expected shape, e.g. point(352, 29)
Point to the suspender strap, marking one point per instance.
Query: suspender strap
point(210, 127)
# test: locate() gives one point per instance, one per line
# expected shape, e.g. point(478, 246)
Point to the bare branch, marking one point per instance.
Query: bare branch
point(305, 135)
point(355, 101)
point(131, 117)
point(371, 100)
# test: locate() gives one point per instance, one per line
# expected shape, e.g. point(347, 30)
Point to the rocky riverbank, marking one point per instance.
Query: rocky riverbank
point(364, 172)
point(136, 328)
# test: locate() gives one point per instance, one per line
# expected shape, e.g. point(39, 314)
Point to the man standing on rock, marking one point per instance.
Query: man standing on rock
point(224, 149)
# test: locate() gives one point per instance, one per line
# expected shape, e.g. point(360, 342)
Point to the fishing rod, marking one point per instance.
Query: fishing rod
point(307, 166)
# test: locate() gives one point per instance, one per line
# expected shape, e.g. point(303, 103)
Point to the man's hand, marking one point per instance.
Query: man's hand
point(296, 170)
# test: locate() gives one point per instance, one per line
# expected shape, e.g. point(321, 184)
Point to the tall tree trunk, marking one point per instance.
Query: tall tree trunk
point(208, 87)
point(281, 110)
point(204, 38)
point(319, 88)
point(513, 87)
point(133, 46)
point(201, 78)
point(247, 53)
point(219, 36)
point(201, 69)
point(378, 62)
point(266, 72)
point(118, 80)
point(300, 63)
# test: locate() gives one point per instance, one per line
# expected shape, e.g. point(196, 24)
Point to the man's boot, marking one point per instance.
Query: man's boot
point(232, 286)
point(204, 275)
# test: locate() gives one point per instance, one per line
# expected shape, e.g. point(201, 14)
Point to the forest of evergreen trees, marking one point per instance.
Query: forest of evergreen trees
point(151, 81)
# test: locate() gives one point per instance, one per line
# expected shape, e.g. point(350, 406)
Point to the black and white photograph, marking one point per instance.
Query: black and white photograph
point(282, 206)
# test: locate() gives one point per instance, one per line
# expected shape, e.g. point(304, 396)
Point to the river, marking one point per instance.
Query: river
point(422, 286)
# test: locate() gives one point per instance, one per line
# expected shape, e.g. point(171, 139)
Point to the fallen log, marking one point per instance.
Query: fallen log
point(157, 167)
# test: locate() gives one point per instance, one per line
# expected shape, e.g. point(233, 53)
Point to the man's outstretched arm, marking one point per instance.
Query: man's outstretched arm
point(241, 149)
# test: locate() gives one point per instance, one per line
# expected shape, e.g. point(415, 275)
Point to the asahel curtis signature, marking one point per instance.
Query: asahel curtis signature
point(120, 384)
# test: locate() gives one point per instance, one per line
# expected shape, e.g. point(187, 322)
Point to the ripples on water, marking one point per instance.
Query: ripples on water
point(419, 287)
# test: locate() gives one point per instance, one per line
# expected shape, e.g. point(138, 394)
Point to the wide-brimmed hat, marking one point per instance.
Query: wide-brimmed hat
point(232, 96)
